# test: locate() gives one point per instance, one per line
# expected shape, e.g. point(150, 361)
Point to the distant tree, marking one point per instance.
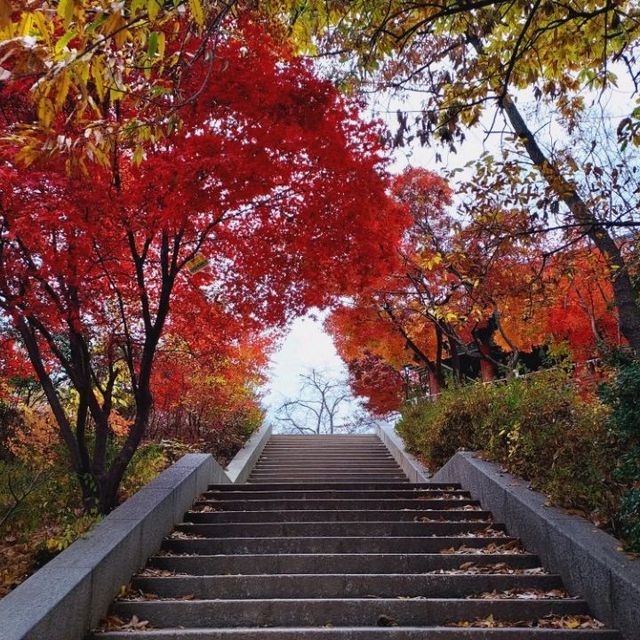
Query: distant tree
point(324, 406)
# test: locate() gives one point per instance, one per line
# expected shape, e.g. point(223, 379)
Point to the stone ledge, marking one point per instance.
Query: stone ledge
point(239, 469)
point(70, 594)
point(414, 470)
point(587, 558)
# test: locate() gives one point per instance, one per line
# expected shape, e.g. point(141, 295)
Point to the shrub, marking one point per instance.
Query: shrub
point(41, 509)
point(621, 395)
point(537, 427)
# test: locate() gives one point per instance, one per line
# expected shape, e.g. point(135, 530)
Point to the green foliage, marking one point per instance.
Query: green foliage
point(146, 464)
point(537, 427)
point(436, 430)
point(621, 395)
point(41, 509)
point(71, 531)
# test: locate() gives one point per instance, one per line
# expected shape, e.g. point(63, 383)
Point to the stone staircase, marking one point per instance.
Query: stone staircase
point(311, 459)
point(329, 540)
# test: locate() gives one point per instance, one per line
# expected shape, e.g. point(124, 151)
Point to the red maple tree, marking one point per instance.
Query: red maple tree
point(479, 288)
point(270, 177)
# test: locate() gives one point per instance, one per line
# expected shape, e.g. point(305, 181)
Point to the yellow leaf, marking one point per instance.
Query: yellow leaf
point(196, 11)
point(113, 27)
point(138, 155)
point(45, 112)
point(64, 41)
point(197, 263)
point(26, 155)
point(153, 6)
point(96, 74)
point(136, 5)
point(63, 90)
point(42, 25)
point(115, 93)
point(161, 43)
point(26, 24)
point(65, 9)
point(82, 70)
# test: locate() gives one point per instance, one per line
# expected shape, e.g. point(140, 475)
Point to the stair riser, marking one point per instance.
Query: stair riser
point(305, 455)
point(369, 633)
point(312, 467)
point(333, 516)
point(325, 454)
point(343, 449)
point(339, 586)
point(324, 545)
point(326, 475)
point(237, 613)
point(341, 563)
point(447, 488)
point(332, 529)
point(279, 505)
point(338, 464)
point(351, 460)
point(320, 494)
point(322, 477)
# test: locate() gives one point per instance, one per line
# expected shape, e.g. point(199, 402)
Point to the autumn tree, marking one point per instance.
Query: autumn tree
point(112, 70)
point(206, 390)
point(471, 60)
point(474, 285)
point(265, 196)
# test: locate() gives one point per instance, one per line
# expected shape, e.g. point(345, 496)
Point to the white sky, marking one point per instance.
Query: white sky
point(306, 346)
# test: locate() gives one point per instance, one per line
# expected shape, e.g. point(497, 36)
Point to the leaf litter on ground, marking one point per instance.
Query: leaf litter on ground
point(498, 568)
point(548, 622)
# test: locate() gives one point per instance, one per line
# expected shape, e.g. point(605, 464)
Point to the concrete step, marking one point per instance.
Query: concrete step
point(306, 445)
point(328, 515)
point(333, 486)
point(334, 529)
point(355, 544)
point(236, 503)
point(328, 540)
point(341, 461)
point(336, 468)
point(363, 633)
point(307, 493)
point(302, 479)
point(270, 454)
point(338, 612)
point(327, 452)
point(327, 464)
point(340, 585)
point(371, 563)
point(311, 469)
point(278, 437)
point(324, 475)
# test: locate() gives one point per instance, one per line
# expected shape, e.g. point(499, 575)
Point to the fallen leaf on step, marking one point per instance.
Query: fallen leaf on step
point(386, 621)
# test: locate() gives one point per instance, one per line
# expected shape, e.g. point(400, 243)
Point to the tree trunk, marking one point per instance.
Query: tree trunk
point(435, 386)
point(487, 372)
